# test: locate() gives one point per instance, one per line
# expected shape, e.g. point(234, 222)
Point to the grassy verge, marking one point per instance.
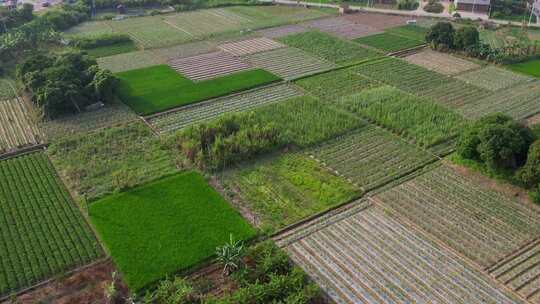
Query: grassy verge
point(165, 226)
point(158, 88)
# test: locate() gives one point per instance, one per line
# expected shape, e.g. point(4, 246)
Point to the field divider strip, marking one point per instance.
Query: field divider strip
point(512, 255)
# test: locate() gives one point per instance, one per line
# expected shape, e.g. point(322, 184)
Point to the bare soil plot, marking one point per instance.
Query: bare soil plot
point(370, 157)
point(17, 130)
point(184, 50)
point(363, 255)
point(250, 46)
point(521, 271)
point(377, 21)
point(129, 61)
point(205, 22)
point(111, 114)
point(208, 66)
point(519, 102)
point(185, 116)
point(281, 31)
point(481, 224)
point(341, 27)
point(289, 63)
point(493, 78)
point(440, 62)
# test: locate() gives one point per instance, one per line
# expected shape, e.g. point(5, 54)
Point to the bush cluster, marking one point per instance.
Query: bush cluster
point(434, 6)
point(16, 17)
point(266, 276)
point(504, 146)
point(86, 43)
point(66, 82)
point(227, 140)
point(410, 5)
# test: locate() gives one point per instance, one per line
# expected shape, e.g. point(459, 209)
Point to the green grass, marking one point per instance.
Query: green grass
point(114, 49)
point(284, 189)
point(42, 232)
point(422, 121)
point(111, 159)
point(528, 67)
point(410, 31)
point(389, 42)
point(159, 88)
point(165, 226)
point(329, 48)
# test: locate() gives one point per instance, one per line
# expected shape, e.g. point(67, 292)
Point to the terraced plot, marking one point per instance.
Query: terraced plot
point(17, 130)
point(417, 80)
point(43, 234)
point(289, 63)
point(366, 256)
point(493, 78)
point(521, 272)
point(440, 62)
point(208, 66)
point(281, 31)
point(370, 157)
point(341, 27)
point(129, 61)
point(186, 116)
point(479, 223)
point(250, 46)
point(151, 31)
point(518, 102)
point(205, 22)
point(335, 84)
point(184, 50)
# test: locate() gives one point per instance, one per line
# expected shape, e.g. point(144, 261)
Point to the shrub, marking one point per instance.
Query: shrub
point(497, 141)
point(466, 37)
point(101, 40)
point(230, 255)
point(176, 291)
point(407, 4)
point(434, 6)
point(441, 35)
point(529, 175)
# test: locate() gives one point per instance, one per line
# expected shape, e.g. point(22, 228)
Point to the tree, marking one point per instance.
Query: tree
point(466, 37)
point(529, 175)
point(441, 35)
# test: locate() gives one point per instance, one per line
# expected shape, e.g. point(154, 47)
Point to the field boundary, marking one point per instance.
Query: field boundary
point(23, 151)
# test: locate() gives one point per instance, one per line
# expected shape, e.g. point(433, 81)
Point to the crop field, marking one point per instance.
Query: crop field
point(110, 115)
point(389, 42)
point(531, 68)
point(410, 31)
point(129, 223)
point(17, 130)
point(7, 88)
point(43, 233)
point(206, 22)
point(521, 272)
point(184, 50)
point(110, 50)
point(160, 88)
point(289, 63)
point(493, 78)
point(129, 61)
point(90, 28)
point(366, 256)
point(274, 15)
point(110, 159)
point(479, 223)
point(518, 102)
point(329, 48)
point(208, 110)
point(281, 31)
point(341, 27)
point(284, 189)
point(208, 66)
point(417, 80)
point(378, 21)
point(335, 84)
point(422, 121)
point(370, 157)
point(441, 63)
point(250, 46)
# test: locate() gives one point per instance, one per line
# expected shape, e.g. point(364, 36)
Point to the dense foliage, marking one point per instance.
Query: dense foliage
point(100, 40)
point(269, 277)
point(441, 35)
point(505, 9)
point(434, 6)
point(227, 140)
point(409, 5)
point(15, 17)
point(529, 174)
point(466, 37)
point(66, 82)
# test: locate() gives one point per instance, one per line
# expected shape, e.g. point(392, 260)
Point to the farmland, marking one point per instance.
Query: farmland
point(129, 61)
point(174, 120)
point(329, 48)
point(284, 189)
point(208, 66)
point(159, 88)
point(423, 121)
point(493, 78)
point(17, 129)
point(250, 46)
point(440, 62)
point(130, 222)
point(389, 42)
point(340, 27)
point(531, 68)
point(43, 233)
point(366, 256)
point(480, 223)
point(7, 88)
point(370, 157)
